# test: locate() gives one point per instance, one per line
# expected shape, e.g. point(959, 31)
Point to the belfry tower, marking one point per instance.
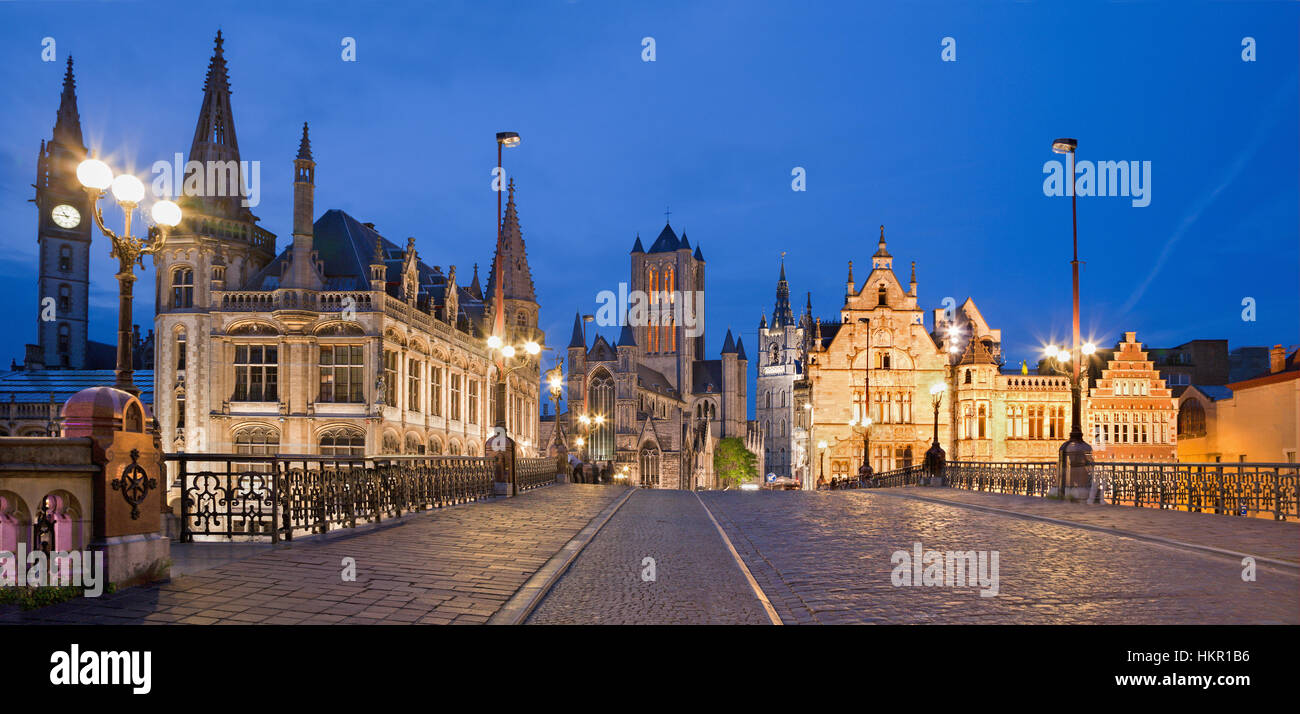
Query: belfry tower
point(63, 234)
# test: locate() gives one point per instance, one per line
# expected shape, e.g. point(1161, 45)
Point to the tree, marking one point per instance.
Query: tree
point(733, 463)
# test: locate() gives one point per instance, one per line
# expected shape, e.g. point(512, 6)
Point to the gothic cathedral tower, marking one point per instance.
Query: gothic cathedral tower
point(217, 247)
point(780, 363)
point(669, 273)
point(510, 263)
point(63, 234)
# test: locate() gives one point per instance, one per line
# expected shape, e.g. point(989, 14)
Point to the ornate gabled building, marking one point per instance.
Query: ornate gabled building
point(1132, 414)
point(662, 407)
point(782, 351)
point(343, 342)
point(878, 362)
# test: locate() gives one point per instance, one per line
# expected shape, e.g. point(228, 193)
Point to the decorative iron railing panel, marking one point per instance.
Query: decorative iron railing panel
point(906, 476)
point(1025, 479)
point(1241, 489)
point(253, 497)
point(532, 473)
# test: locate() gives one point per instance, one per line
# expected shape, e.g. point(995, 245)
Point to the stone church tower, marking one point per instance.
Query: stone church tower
point(217, 247)
point(63, 234)
point(780, 363)
point(516, 281)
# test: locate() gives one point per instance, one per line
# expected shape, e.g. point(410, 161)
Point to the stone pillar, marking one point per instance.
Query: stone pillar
point(129, 490)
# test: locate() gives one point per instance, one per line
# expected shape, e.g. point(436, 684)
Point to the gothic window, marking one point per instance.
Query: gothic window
point(65, 298)
point(649, 467)
point(180, 350)
point(965, 422)
point(182, 288)
point(769, 399)
point(600, 400)
point(776, 354)
point(180, 409)
point(453, 448)
point(1191, 420)
point(413, 385)
point(455, 397)
point(256, 373)
point(435, 391)
point(907, 408)
point(1058, 422)
point(342, 371)
point(968, 376)
point(343, 442)
point(521, 319)
point(435, 446)
point(256, 441)
point(983, 422)
point(65, 259)
point(783, 397)
point(390, 378)
point(471, 414)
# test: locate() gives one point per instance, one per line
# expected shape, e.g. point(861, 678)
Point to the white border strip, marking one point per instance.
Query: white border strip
point(758, 592)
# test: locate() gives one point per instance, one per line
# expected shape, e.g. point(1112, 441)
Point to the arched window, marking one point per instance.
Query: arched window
point(649, 467)
point(881, 296)
point(180, 350)
point(600, 401)
point(968, 376)
point(256, 441)
point(182, 288)
point(65, 298)
point(776, 354)
point(769, 399)
point(983, 421)
point(453, 448)
point(343, 442)
point(521, 319)
point(1191, 419)
point(435, 446)
point(391, 445)
point(413, 445)
point(65, 259)
point(65, 339)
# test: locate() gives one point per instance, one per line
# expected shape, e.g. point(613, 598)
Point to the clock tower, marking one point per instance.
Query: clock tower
point(63, 234)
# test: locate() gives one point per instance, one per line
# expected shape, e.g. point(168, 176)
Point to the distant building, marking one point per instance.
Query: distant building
point(1252, 419)
point(1131, 412)
point(781, 355)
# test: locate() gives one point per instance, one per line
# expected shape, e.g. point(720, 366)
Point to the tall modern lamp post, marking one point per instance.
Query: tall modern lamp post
point(1075, 453)
point(128, 191)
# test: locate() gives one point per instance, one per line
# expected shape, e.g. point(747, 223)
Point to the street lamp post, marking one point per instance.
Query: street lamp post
point(1075, 453)
point(934, 456)
point(97, 177)
point(508, 360)
point(821, 449)
point(864, 471)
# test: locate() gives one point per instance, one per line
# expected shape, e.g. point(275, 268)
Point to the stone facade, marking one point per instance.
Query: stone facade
point(661, 406)
point(344, 343)
point(1131, 415)
point(780, 364)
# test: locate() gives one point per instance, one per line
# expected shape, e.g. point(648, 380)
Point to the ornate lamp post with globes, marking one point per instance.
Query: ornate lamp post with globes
point(129, 250)
point(509, 359)
point(934, 456)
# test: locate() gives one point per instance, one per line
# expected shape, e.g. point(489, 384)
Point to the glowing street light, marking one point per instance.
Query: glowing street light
point(128, 191)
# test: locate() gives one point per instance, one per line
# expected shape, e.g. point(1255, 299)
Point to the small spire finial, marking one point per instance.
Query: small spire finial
point(667, 215)
point(913, 271)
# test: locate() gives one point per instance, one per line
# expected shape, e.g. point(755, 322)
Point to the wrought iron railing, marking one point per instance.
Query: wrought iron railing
point(534, 472)
point(1239, 489)
point(1025, 479)
point(237, 496)
point(906, 476)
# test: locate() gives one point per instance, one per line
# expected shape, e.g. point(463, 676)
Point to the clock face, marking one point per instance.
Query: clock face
point(66, 216)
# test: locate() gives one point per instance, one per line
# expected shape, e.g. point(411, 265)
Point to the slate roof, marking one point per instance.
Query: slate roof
point(666, 242)
point(651, 379)
point(706, 376)
point(37, 385)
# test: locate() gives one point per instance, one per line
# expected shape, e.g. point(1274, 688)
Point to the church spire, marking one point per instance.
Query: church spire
point(510, 266)
point(474, 287)
point(782, 316)
point(67, 127)
point(215, 141)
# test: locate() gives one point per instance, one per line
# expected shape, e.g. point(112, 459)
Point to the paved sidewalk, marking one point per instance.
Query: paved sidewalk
point(456, 565)
point(1279, 540)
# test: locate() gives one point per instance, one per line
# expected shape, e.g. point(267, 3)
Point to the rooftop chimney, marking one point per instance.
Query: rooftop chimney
point(1276, 359)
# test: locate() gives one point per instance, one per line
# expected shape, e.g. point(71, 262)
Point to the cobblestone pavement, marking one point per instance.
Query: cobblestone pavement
point(697, 581)
point(457, 565)
point(1254, 536)
point(825, 557)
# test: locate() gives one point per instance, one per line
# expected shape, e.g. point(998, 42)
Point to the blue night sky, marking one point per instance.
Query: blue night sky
point(947, 155)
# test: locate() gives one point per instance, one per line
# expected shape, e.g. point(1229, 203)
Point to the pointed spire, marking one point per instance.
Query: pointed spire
point(666, 242)
point(516, 277)
point(577, 340)
point(729, 344)
point(881, 252)
point(67, 125)
point(762, 321)
point(913, 280)
point(782, 316)
point(686, 244)
point(851, 273)
point(215, 140)
point(740, 350)
point(304, 146)
point(636, 247)
point(474, 288)
point(626, 338)
point(698, 255)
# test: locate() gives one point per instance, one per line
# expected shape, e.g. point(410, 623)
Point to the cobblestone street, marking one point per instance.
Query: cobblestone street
point(819, 557)
point(457, 565)
point(696, 579)
point(824, 557)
